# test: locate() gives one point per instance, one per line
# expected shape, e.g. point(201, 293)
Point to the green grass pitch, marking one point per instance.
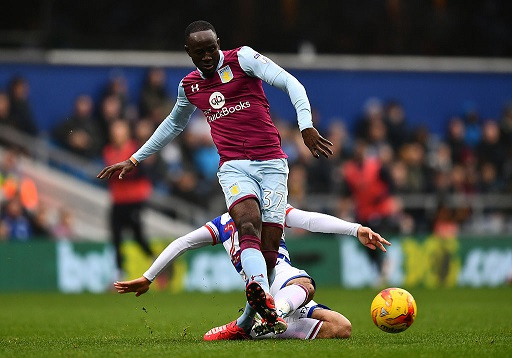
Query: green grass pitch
point(450, 323)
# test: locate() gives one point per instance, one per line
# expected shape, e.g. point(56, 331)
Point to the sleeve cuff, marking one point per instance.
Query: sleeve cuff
point(134, 161)
point(150, 277)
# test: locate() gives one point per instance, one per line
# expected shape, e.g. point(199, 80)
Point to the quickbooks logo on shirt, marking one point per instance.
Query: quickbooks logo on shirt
point(217, 101)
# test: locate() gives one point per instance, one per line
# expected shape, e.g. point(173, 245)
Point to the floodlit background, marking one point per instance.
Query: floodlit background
point(420, 92)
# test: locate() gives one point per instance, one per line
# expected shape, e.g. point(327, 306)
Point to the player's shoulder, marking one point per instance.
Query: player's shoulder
point(250, 53)
point(247, 53)
point(221, 221)
point(231, 53)
point(217, 227)
point(223, 227)
point(250, 58)
point(192, 77)
point(231, 56)
point(245, 50)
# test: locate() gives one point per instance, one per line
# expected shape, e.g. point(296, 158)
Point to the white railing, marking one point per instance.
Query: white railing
point(289, 61)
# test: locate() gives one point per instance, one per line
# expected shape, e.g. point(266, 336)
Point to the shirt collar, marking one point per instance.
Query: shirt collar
point(219, 65)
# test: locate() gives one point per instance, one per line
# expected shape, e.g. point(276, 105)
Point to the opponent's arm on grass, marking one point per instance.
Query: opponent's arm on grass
point(318, 222)
point(193, 240)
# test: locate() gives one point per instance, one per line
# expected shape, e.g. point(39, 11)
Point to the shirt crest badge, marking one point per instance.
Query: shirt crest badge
point(225, 74)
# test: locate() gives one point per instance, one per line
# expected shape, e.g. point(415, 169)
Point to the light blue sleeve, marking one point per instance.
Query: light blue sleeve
point(171, 126)
point(257, 65)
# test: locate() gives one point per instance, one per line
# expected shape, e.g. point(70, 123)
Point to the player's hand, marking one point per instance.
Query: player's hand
point(139, 286)
point(124, 167)
point(371, 239)
point(316, 143)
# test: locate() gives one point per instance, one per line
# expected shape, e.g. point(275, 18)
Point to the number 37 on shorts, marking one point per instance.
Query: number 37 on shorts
point(273, 199)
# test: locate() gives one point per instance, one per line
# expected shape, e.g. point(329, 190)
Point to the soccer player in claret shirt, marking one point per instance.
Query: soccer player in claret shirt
point(253, 171)
point(292, 287)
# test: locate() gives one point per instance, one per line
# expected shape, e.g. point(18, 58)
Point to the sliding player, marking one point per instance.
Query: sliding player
point(292, 288)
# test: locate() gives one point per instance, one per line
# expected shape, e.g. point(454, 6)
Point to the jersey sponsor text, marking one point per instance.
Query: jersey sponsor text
point(226, 110)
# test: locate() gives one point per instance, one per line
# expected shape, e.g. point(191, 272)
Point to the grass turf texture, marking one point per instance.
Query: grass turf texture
point(450, 323)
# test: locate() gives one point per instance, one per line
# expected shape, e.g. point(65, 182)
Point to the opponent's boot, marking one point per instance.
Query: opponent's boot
point(263, 303)
point(228, 331)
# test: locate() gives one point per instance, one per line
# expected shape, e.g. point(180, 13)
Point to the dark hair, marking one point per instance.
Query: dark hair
point(197, 26)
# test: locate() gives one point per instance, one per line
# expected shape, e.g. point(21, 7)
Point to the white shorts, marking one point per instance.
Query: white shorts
point(305, 311)
point(284, 274)
point(264, 180)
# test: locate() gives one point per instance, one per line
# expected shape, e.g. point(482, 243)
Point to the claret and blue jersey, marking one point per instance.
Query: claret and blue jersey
point(234, 104)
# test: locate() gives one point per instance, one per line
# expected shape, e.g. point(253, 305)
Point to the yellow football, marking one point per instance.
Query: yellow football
point(393, 310)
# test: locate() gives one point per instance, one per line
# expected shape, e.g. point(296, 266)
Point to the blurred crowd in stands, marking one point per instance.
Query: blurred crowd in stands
point(378, 175)
point(23, 215)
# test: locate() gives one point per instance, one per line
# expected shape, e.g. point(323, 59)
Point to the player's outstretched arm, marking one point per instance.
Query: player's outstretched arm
point(124, 167)
point(316, 143)
point(371, 239)
point(318, 222)
point(139, 286)
point(194, 240)
point(170, 127)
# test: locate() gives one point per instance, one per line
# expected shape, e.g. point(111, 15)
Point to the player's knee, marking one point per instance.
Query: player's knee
point(311, 290)
point(248, 228)
point(343, 328)
point(307, 284)
point(247, 217)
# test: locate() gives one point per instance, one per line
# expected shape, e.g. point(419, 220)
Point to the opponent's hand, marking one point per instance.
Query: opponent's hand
point(371, 239)
point(125, 167)
point(139, 286)
point(316, 143)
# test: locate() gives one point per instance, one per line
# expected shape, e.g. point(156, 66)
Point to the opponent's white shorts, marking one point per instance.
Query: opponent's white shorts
point(284, 274)
point(264, 180)
point(305, 311)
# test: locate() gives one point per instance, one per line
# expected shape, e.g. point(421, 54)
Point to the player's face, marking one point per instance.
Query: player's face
point(203, 49)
